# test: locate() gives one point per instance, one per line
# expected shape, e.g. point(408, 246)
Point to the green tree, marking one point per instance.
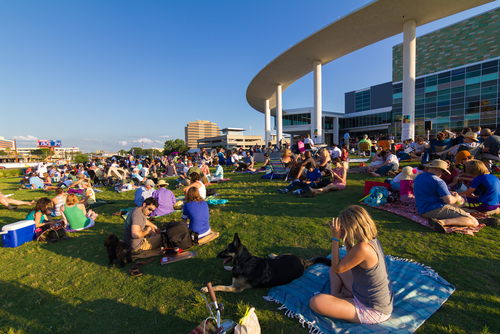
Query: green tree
point(81, 158)
point(3, 153)
point(137, 151)
point(177, 145)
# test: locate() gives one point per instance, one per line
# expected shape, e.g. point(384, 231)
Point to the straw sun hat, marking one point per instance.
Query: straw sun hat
point(439, 164)
point(471, 135)
point(408, 173)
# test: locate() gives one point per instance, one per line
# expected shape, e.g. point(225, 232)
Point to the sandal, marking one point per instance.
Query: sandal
point(140, 264)
point(436, 224)
point(135, 272)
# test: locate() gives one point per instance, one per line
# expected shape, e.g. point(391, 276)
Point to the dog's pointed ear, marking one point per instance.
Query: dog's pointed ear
point(236, 240)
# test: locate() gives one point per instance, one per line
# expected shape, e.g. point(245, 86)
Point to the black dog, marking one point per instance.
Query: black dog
point(255, 272)
point(118, 250)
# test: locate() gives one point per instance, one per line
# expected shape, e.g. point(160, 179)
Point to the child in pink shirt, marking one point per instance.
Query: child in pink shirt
point(406, 186)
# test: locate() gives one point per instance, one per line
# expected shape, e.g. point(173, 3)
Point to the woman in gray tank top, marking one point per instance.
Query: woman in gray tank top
point(360, 285)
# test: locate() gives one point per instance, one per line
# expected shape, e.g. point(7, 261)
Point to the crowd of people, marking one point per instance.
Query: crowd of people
point(443, 191)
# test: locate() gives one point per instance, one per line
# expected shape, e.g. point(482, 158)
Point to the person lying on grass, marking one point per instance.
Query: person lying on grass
point(338, 182)
point(39, 214)
point(7, 201)
point(313, 177)
point(360, 285)
point(487, 184)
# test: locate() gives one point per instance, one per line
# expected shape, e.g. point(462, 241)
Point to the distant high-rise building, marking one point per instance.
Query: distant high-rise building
point(199, 130)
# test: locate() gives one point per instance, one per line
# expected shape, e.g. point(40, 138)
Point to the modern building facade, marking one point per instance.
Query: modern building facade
point(6, 144)
point(199, 130)
point(231, 138)
point(467, 43)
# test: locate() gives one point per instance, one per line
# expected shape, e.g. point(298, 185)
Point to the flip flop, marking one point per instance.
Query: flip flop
point(436, 224)
point(135, 272)
point(140, 264)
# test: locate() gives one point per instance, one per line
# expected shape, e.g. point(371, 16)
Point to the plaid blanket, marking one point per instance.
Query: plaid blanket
point(411, 213)
point(418, 292)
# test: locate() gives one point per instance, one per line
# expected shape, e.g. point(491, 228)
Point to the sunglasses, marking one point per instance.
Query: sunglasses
point(148, 208)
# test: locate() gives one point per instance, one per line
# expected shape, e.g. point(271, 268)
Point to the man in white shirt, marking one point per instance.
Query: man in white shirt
point(391, 164)
point(309, 141)
point(336, 152)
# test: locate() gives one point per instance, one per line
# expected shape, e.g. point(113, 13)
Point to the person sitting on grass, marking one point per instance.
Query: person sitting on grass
point(7, 201)
point(39, 214)
point(196, 183)
point(138, 232)
point(487, 184)
point(266, 166)
point(75, 216)
point(360, 284)
point(196, 211)
point(47, 181)
point(89, 195)
point(144, 192)
point(391, 164)
point(165, 199)
point(286, 157)
point(58, 201)
point(246, 164)
point(219, 171)
point(435, 202)
point(339, 179)
point(406, 181)
point(377, 161)
point(34, 183)
point(313, 177)
point(324, 162)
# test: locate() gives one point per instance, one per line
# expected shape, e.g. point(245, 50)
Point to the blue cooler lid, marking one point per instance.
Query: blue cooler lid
point(18, 225)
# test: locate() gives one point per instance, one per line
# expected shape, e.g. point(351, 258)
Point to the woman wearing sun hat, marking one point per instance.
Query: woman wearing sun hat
point(470, 141)
point(165, 198)
point(406, 178)
point(435, 202)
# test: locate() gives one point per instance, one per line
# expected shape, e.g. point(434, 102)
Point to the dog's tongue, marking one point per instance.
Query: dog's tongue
point(225, 261)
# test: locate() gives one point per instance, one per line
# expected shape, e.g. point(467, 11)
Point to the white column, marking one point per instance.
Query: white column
point(318, 106)
point(409, 56)
point(279, 114)
point(336, 130)
point(267, 117)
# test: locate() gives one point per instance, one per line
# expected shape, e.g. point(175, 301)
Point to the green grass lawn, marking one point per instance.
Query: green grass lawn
point(68, 287)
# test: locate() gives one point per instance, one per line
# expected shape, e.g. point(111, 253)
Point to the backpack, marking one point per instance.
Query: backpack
point(177, 234)
point(52, 234)
point(378, 196)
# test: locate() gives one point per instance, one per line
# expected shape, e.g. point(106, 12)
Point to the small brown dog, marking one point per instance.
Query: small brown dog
point(118, 250)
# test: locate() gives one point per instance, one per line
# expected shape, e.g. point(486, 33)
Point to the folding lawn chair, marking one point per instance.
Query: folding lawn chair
point(278, 168)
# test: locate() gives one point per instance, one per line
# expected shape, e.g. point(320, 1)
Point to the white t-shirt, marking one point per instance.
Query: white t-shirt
point(308, 141)
point(336, 152)
point(392, 159)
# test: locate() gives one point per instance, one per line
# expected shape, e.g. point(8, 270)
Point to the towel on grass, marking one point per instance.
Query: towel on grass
point(418, 292)
point(411, 213)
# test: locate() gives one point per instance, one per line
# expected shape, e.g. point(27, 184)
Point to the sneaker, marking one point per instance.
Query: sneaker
point(296, 192)
point(436, 224)
point(282, 191)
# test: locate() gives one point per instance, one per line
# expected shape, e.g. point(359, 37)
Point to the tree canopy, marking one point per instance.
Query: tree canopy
point(177, 145)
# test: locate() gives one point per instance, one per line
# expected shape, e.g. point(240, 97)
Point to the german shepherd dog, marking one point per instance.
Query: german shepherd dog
point(118, 250)
point(255, 272)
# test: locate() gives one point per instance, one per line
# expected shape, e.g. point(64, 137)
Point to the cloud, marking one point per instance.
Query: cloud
point(26, 138)
point(87, 139)
point(123, 143)
point(144, 140)
point(164, 136)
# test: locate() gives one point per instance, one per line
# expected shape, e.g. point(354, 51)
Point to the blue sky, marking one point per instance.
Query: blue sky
point(123, 72)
